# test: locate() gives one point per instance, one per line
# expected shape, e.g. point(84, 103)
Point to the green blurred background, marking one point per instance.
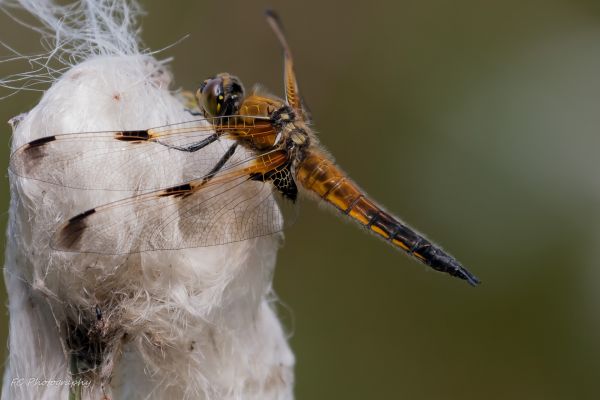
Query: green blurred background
point(478, 122)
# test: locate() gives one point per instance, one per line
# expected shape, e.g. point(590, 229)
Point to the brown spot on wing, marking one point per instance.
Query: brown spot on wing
point(83, 215)
point(133, 136)
point(33, 151)
point(177, 191)
point(40, 142)
point(70, 234)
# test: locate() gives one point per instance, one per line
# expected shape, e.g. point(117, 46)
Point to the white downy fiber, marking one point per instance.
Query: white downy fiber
point(187, 324)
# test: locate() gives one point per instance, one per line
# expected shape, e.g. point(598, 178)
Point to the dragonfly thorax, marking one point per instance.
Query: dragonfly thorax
point(292, 132)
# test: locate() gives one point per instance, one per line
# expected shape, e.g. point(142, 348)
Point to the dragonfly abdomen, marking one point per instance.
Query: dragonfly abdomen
point(321, 176)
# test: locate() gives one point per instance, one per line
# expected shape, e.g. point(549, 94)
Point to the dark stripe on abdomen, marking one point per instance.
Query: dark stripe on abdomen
point(319, 175)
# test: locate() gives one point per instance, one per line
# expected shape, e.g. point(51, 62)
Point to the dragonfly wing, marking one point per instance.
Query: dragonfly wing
point(130, 160)
point(292, 93)
point(232, 206)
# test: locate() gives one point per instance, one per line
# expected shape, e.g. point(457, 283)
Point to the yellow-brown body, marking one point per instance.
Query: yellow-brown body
point(314, 171)
point(275, 127)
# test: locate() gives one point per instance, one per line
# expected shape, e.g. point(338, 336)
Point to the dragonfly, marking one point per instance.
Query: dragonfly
point(239, 154)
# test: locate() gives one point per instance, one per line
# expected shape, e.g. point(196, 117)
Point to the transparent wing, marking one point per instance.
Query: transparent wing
point(232, 206)
point(292, 92)
point(138, 160)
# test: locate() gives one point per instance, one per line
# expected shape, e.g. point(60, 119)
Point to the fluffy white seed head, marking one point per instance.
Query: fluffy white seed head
point(194, 323)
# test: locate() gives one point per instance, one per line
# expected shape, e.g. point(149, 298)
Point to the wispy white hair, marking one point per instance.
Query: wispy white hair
point(187, 324)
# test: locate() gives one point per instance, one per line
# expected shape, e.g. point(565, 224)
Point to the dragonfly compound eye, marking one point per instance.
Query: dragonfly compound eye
point(212, 97)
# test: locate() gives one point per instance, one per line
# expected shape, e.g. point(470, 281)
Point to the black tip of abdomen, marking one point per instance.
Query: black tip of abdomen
point(454, 268)
point(440, 261)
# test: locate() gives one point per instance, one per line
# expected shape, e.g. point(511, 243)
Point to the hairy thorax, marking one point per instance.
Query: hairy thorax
point(291, 133)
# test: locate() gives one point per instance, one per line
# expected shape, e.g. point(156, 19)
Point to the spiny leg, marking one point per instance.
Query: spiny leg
point(220, 163)
point(194, 146)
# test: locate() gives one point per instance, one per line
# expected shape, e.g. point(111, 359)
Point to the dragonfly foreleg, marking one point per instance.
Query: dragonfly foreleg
point(194, 113)
point(194, 146)
point(220, 163)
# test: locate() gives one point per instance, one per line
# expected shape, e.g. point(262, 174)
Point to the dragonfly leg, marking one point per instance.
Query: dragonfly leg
point(220, 163)
point(194, 146)
point(194, 113)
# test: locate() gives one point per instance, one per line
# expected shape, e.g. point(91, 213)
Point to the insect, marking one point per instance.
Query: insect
point(256, 142)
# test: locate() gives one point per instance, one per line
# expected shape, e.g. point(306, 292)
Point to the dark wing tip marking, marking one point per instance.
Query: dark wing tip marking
point(133, 136)
point(40, 142)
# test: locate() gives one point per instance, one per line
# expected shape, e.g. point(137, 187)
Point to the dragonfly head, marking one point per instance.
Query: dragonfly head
point(221, 95)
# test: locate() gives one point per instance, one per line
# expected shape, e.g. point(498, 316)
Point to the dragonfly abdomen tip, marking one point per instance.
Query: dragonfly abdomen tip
point(449, 265)
point(439, 260)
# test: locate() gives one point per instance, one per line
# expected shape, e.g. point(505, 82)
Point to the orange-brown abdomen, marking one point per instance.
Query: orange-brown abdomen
point(318, 174)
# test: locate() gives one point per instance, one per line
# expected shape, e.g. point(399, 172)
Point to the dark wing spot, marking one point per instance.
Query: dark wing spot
point(132, 136)
point(70, 235)
point(34, 151)
point(41, 141)
point(281, 178)
point(257, 176)
point(83, 215)
point(177, 191)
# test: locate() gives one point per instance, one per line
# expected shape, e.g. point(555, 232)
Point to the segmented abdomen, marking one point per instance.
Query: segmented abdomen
point(321, 176)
